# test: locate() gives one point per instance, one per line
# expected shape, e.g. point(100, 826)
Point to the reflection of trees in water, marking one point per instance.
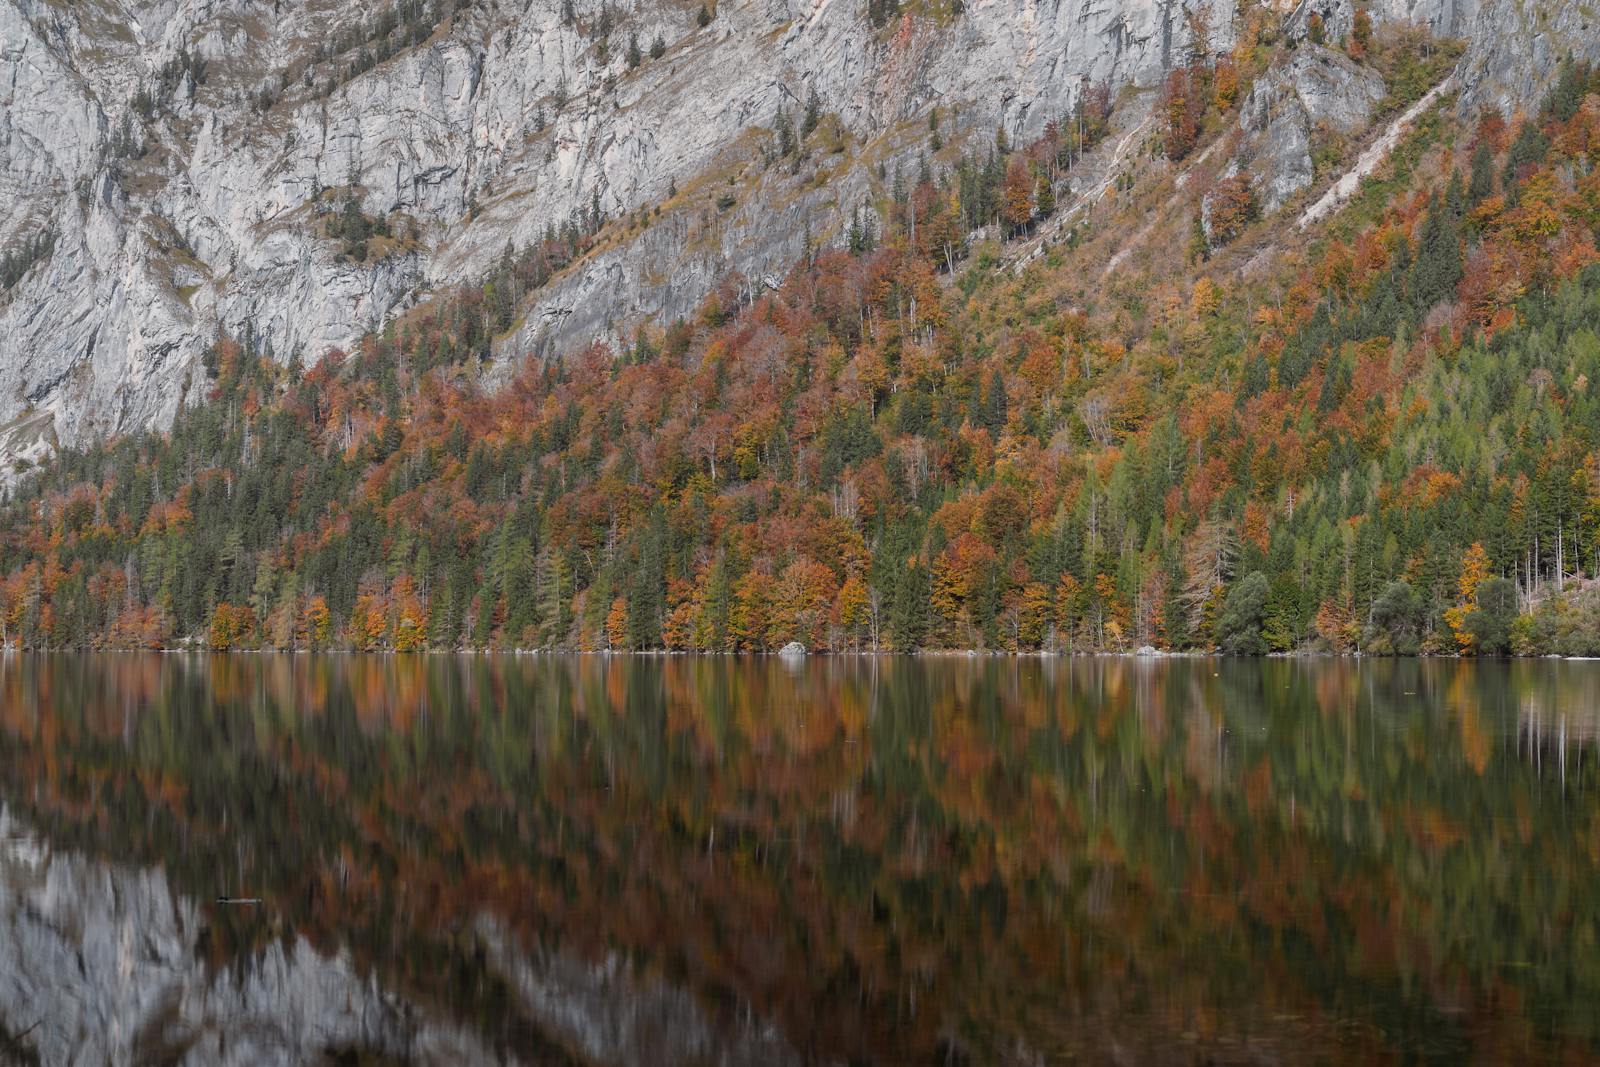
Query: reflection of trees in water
point(902, 858)
point(1558, 717)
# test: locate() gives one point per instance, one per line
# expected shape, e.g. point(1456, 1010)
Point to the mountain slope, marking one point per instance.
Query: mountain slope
point(179, 155)
point(1378, 435)
point(207, 167)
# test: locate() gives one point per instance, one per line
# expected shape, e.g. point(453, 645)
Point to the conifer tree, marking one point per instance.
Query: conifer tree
point(813, 114)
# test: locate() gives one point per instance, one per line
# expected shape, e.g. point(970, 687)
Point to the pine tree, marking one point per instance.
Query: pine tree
point(1530, 148)
point(813, 114)
point(1438, 267)
point(909, 607)
point(1480, 186)
point(996, 403)
point(785, 131)
point(1044, 196)
point(1239, 626)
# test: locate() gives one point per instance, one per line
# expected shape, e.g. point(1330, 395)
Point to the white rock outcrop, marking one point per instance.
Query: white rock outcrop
point(1318, 91)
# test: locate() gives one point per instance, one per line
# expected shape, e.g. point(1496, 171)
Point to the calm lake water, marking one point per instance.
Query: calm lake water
point(260, 859)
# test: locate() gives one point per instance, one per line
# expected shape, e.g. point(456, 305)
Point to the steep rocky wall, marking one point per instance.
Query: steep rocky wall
point(211, 227)
point(502, 123)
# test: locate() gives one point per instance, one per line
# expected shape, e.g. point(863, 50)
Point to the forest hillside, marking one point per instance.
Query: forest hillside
point(1172, 417)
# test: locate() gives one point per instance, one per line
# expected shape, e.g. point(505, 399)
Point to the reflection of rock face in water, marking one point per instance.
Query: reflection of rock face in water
point(723, 860)
point(103, 968)
point(608, 1016)
point(102, 965)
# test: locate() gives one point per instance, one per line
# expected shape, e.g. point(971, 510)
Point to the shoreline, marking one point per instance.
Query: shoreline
point(930, 653)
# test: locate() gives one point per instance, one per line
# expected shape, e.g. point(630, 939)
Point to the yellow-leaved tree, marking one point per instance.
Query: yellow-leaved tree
point(1474, 571)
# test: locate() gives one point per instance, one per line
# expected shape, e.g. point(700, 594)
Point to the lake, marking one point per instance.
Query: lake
point(303, 859)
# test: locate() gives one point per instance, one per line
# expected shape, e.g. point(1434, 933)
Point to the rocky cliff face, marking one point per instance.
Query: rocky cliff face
point(1317, 88)
point(188, 156)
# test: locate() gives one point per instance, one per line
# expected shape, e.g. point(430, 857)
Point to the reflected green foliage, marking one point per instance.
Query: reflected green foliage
point(888, 860)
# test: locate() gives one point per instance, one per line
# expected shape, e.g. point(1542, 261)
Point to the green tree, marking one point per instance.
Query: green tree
point(909, 608)
point(1239, 626)
point(1438, 268)
point(1490, 623)
point(1394, 622)
point(813, 115)
point(1044, 196)
point(1480, 183)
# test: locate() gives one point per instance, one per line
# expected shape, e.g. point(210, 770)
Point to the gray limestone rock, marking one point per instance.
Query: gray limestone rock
point(1318, 91)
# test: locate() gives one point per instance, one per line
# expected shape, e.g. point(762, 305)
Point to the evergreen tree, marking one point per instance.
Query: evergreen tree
point(909, 607)
point(1238, 629)
point(1480, 186)
point(1490, 623)
point(813, 114)
point(1394, 622)
point(1044, 196)
point(1529, 149)
point(785, 131)
point(1438, 267)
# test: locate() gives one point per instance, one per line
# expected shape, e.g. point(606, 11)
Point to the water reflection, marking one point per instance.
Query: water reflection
point(682, 860)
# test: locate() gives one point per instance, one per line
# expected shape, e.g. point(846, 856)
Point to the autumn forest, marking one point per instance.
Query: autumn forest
point(955, 428)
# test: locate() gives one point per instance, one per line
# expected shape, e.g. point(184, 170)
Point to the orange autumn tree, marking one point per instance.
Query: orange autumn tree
point(232, 628)
point(315, 625)
point(956, 574)
point(801, 604)
point(1033, 615)
point(369, 623)
point(852, 609)
point(677, 629)
point(1016, 194)
point(1474, 571)
point(410, 622)
point(617, 625)
point(749, 617)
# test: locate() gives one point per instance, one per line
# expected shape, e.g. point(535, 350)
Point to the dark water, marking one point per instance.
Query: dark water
point(940, 861)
